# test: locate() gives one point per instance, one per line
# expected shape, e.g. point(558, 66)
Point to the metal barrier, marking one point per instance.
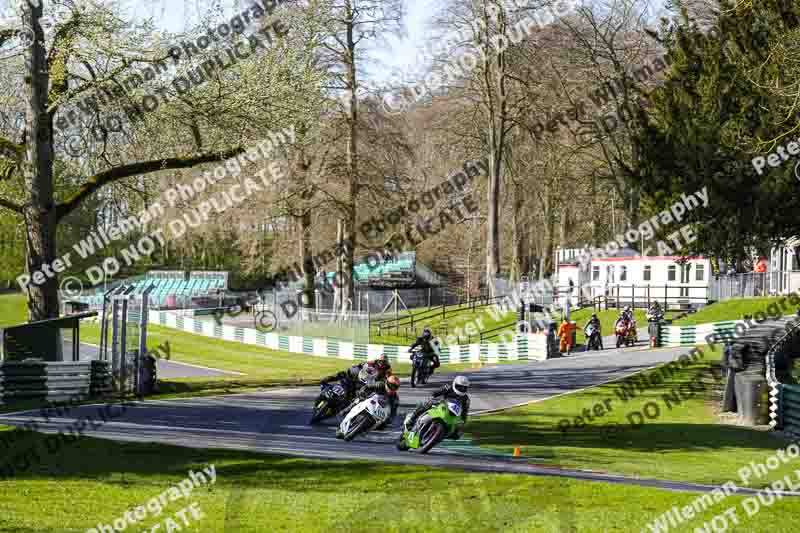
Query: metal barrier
point(52, 381)
point(753, 284)
point(784, 395)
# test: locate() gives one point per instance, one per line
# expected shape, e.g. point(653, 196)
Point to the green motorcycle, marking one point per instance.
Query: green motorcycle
point(438, 423)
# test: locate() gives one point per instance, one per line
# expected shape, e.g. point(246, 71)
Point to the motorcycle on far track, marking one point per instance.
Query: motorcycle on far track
point(592, 338)
point(421, 368)
point(626, 333)
point(364, 416)
point(438, 423)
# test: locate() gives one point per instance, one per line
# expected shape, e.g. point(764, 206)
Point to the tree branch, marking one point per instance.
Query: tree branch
point(106, 177)
point(8, 204)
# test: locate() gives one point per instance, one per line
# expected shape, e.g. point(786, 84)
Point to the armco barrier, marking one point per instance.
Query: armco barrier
point(784, 398)
point(524, 347)
point(52, 381)
point(697, 334)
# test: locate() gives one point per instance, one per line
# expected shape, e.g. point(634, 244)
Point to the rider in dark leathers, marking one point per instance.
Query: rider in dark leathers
point(594, 321)
point(349, 377)
point(428, 351)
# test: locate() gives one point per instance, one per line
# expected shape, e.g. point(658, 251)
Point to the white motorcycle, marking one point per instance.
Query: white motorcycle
point(367, 414)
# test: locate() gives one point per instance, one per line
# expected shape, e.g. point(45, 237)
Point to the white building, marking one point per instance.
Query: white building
point(784, 267)
point(635, 280)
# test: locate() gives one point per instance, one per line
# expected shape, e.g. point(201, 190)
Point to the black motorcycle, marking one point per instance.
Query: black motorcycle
point(331, 400)
point(593, 339)
point(421, 367)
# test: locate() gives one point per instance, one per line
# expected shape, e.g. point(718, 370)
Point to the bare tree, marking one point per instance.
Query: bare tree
point(352, 25)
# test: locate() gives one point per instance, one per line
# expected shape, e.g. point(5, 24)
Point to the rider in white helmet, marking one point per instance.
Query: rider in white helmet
point(457, 391)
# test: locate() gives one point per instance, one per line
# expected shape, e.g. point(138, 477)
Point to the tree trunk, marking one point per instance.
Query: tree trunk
point(563, 237)
point(495, 92)
point(307, 260)
point(349, 236)
point(518, 269)
point(40, 210)
point(337, 293)
point(546, 261)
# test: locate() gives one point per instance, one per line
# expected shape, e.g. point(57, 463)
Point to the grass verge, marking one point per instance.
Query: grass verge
point(680, 440)
point(735, 309)
point(94, 481)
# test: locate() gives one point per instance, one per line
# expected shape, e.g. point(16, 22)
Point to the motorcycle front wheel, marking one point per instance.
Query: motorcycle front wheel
point(319, 412)
point(433, 436)
point(414, 376)
point(362, 424)
point(401, 443)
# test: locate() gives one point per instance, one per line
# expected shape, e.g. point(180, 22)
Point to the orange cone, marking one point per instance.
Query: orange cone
point(517, 452)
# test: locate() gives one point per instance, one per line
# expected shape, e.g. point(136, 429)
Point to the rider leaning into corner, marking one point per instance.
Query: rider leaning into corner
point(353, 378)
point(428, 345)
point(387, 389)
point(456, 391)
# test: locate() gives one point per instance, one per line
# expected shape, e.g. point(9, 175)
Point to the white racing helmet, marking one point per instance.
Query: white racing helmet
point(460, 385)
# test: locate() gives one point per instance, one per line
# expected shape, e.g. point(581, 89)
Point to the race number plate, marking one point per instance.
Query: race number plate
point(455, 408)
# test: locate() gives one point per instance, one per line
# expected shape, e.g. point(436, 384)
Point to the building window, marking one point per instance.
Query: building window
point(623, 273)
point(647, 274)
point(595, 273)
point(672, 272)
point(699, 272)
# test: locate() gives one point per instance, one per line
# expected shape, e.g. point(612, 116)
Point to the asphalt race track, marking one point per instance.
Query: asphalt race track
point(276, 421)
point(165, 368)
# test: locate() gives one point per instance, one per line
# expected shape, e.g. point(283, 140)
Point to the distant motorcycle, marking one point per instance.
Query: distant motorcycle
point(593, 337)
point(421, 368)
point(626, 333)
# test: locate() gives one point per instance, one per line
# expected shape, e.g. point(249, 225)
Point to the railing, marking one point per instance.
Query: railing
point(497, 331)
point(753, 284)
point(441, 312)
point(676, 297)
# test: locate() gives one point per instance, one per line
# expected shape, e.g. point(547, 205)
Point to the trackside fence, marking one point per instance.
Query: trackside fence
point(53, 381)
point(523, 347)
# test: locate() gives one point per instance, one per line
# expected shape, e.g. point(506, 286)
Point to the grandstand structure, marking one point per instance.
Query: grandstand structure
point(392, 272)
point(169, 289)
